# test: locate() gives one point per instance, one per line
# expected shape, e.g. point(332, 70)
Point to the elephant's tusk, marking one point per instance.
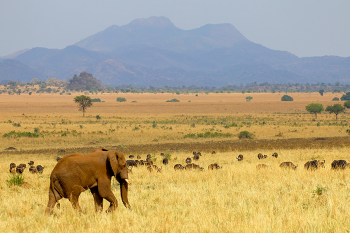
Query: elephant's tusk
point(127, 181)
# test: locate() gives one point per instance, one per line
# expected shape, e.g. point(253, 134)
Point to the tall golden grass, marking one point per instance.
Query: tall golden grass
point(236, 198)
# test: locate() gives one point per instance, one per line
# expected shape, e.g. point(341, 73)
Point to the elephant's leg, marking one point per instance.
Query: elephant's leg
point(104, 189)
point(74, 197)
point(52, 201)
point(98, 199)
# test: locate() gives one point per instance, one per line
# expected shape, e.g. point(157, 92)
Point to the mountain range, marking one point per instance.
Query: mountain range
point(155, 52)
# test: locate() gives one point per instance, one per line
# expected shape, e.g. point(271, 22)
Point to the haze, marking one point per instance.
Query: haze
point(304, 28)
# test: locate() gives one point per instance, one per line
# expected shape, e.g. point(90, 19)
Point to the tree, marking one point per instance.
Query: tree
point(286, 98)
point(248, 98)
point(121, 99)
point(84, 82)
point(336, 109)
point(347, 104)
point(321, 92)
point(314, 108)
point(83, 102)
point(345, 97)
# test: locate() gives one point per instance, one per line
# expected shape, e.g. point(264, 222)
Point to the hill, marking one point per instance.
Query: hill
point(12, 70)
point(155, 52)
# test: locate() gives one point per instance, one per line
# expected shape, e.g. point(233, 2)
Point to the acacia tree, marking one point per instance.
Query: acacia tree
point(84, 102)
point(336, 109)
point(314, 108)
point(321, 92)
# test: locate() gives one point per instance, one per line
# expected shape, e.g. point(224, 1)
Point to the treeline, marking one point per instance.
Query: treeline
point(86, 83)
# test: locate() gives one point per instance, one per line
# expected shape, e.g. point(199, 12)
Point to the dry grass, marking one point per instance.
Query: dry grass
point(237, 198)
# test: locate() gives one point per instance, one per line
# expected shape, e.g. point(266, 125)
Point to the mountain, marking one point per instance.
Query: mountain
point(12, 70)
point(155, 52)
point(161, 33)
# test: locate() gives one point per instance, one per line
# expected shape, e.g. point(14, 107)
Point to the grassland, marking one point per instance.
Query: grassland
point(237, 198)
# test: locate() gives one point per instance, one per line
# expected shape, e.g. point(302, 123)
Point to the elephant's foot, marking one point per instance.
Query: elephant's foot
point(111, 208)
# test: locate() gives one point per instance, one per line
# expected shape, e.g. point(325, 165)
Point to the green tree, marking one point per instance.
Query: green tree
point(121, 99)
point(336, 109)
point(314, 108)
point(84, 102)
point(321, 92)
point(345, 97)
point(286, 98)
point(248, 98)
point(347, 104)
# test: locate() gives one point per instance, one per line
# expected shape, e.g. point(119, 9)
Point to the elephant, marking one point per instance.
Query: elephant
point(74, 174)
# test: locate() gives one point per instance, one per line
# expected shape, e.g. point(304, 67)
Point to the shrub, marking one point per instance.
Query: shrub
point(154, 124)
point(248, 98)
point(173, 100)
point(286, 98)
point(96, 100)
point(20, 134)
point(207, 135)
point(335, 99)
point(245, 134)
point(168, 156)
point(15, 180)
point(345, 97)
point(16, 124)
point(121, 99)
point(98, 117)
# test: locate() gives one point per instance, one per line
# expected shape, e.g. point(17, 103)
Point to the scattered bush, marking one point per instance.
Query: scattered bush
point(207, 135)
point(286, 98)
point(16, 124)
point(173, 100)
point(335, 99)
point(15, 180)
point(96, 100)
point(245, 134)
point(98, 117)
point(248, 98)
point(20, 134)
point(121, 99)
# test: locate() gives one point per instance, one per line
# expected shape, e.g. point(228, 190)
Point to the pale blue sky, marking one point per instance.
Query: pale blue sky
point(302, 27)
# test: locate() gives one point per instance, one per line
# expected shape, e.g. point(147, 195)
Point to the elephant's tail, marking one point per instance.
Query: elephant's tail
point(56, 187)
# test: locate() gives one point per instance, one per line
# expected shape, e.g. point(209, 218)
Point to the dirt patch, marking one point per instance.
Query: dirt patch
point(204, 146)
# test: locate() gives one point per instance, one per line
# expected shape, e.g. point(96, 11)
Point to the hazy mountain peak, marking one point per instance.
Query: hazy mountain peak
point(14, 55)
point(158, 22)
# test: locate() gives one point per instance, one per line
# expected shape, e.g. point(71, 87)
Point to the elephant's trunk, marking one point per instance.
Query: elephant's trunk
point(124, 192)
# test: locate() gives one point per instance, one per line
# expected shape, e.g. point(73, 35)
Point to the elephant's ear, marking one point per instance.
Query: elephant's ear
point(113, 160)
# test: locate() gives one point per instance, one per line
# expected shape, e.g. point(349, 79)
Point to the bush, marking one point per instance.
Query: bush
point(98, 117)
point(207, 135)
point(15, 180)
point(173, 100)
point(16, 124)
point(245, 134)
point(20, 134)
point(121, 99)
point(96, 100)
point(335, 99)
point(345, 97)
point(286, 98)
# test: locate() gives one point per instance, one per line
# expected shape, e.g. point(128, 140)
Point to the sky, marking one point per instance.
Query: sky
point(303, 27)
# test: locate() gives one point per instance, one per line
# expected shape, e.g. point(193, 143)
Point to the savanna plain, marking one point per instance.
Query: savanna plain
point(235, 198)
